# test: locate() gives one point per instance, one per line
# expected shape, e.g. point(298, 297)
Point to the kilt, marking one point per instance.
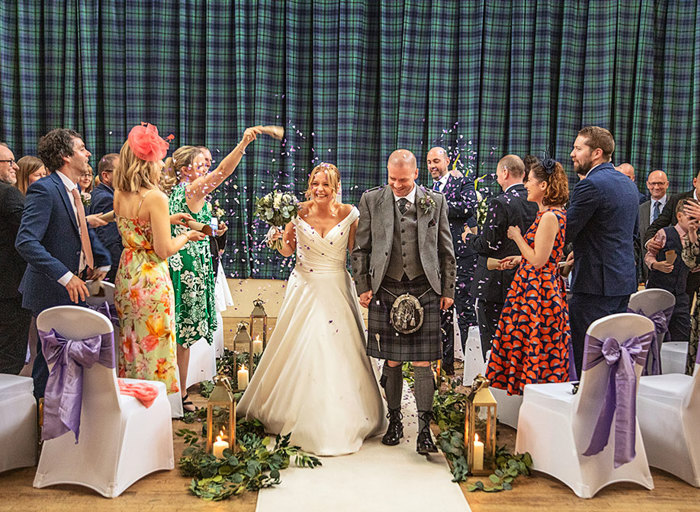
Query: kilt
point(384, 342)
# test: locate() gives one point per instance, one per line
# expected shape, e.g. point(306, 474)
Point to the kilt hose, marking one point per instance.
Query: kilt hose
point(383, 342)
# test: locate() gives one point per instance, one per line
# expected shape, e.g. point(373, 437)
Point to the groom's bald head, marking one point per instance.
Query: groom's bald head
point(403, 171)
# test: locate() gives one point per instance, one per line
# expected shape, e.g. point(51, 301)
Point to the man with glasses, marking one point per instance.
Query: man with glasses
point(14, 320)
point(103, 202)
point(649, 211)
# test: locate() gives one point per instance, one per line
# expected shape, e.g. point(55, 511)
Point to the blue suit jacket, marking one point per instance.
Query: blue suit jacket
point(461, 208)
point(103, 202)
point(602, 223)
point(49, 241)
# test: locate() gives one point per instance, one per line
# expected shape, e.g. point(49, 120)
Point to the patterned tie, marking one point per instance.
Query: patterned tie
point(436, 186)
point(84, 237)
point(657, 211)
point(403, 205)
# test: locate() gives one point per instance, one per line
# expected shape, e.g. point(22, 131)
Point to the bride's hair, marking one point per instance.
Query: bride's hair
point(332, 174)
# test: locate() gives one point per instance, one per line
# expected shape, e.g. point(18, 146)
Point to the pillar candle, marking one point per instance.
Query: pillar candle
point(257, 345)
point(219, 447)
point(243, 378)
point(478, 454)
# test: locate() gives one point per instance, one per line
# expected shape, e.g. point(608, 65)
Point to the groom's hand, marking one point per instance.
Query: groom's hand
point(446, 303)
point(365, 298)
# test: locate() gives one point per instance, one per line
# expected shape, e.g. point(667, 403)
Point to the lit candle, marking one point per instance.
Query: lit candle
point(243, 378)
point(257, 345)
point(219, 446)
point(478, 454)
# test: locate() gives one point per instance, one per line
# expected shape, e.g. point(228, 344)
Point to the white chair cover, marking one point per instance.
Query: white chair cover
point(219, 336)
point(508, 409)
point(668, 408)
point(121, 441)
point(651, 303)
point(222, 293)
point(202, 362)
point(556, 426)
point(674, 354)
point(18, 423)
point(473, 358)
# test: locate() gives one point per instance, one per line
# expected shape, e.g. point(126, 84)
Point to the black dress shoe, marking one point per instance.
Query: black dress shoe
point(394, 432)
point(424, 443)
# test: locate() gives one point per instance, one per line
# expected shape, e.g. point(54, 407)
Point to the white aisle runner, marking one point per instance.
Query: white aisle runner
point(377, 478)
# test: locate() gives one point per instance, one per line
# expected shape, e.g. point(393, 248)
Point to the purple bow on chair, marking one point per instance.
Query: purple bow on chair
point(620, 398)
point(108, 310)
point(63, 398)
point(661, 320)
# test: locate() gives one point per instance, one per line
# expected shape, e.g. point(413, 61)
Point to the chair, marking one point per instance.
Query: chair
point(668, 408)
point(657, 305)
point(18, 425)
point(120, 440)
point(673, 356)
point(557, 426)
point(508, 409)
point(202, 362)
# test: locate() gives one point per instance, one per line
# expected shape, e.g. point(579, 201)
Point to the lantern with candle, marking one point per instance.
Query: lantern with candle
point(258, 323)
point(221, 417)
point(480, 428)
point(243, 338)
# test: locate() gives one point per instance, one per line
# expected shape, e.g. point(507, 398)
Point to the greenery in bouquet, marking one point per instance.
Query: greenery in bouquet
point(276, 209)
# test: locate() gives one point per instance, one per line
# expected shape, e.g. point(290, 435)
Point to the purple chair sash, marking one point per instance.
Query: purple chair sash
point(63, 398)
point(661, 320)
point(620, 399)
point(108, 310)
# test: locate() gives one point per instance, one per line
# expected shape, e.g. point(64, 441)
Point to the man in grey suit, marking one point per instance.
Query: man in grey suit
point(403, 246)
point(649, 211)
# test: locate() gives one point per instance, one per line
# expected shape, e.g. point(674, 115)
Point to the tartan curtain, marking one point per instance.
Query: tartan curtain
point(353, 80)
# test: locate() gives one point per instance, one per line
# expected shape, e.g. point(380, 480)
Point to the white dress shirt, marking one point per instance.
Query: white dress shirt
point(662, 203)
point(442, 181)
point(411, 196)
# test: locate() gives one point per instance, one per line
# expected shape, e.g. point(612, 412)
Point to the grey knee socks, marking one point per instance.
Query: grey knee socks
point(424, 390)
point(394, 386)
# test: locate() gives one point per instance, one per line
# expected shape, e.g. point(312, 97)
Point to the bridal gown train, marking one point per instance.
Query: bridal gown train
point(314, 378)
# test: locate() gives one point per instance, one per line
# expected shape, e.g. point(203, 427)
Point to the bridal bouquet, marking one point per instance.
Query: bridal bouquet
point(276, 209)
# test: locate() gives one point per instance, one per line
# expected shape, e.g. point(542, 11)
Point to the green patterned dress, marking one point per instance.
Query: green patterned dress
point(192, 276)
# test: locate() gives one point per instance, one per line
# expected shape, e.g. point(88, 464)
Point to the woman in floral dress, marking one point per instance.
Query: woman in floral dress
point(144, 293)
point(190, 268)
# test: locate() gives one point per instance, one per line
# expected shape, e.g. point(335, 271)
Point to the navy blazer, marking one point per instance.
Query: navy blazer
point(49, 241)
point(461, 207)
point(102, 201)
point(12, 266)
point(602, 223)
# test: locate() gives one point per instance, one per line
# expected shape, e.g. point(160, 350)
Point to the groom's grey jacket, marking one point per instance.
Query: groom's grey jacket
point(375, 235)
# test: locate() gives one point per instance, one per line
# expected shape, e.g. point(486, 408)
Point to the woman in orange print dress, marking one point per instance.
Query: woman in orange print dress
point(531, 343)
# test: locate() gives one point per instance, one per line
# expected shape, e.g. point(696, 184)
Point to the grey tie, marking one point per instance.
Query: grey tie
point(403, 205)
point(657, 211)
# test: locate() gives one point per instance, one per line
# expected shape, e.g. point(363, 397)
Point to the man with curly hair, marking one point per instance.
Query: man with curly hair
point(54, 239)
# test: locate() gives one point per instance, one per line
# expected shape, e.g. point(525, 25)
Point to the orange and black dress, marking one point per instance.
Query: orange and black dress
point(532, 341)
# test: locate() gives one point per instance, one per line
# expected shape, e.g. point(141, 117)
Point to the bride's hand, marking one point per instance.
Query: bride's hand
point(276, 234)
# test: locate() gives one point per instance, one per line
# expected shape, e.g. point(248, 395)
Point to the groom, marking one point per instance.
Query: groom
point(403, 245)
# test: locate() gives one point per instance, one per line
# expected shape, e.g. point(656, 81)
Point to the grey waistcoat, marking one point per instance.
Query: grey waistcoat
point(405, 257)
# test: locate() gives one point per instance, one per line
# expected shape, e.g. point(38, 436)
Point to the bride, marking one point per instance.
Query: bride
point(314, 378)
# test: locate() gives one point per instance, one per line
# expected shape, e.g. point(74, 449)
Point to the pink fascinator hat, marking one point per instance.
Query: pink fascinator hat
point(146, 144)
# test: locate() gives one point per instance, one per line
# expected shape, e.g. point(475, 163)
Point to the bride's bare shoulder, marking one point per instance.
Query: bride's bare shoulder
point(345, 210)
point(304, 209)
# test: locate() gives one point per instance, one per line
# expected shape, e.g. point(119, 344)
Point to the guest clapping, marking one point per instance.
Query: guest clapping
point(532, 339)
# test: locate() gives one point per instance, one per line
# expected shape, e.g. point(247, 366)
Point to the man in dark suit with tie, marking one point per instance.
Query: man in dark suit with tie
point(53, 237)
point(461, 208)
point(14, 319)
point(103, 202)
point(602, 223)
point(649, 211)
point(511, 208)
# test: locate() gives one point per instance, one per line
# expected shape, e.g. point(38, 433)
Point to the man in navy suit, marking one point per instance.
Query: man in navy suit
point(103, 202)
point(461, 209)
point(49, 237)
point(602, 223)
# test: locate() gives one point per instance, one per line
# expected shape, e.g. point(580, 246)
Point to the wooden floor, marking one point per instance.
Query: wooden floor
point(167, 491)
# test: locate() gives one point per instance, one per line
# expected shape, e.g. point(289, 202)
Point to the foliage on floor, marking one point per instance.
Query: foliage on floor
point(449, 412)
point(253, 466)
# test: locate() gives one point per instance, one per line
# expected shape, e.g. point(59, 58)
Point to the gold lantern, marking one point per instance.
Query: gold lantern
point(243, 338)
point(221, 418)
point(258, 314)
point(480, 428)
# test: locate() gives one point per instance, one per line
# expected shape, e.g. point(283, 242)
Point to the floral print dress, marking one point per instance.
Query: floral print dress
point(193, 278)
point(145, 304)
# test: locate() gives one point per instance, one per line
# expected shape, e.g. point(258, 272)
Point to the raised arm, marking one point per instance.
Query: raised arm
point(204, 185)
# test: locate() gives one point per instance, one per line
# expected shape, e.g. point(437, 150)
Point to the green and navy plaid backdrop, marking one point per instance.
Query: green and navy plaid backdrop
point(353, 80)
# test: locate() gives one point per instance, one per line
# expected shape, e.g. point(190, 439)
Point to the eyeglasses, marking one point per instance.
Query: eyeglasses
point(10, 161)
point(657, 183)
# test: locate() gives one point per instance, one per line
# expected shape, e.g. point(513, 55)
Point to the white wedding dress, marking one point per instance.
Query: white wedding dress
point(314, 378)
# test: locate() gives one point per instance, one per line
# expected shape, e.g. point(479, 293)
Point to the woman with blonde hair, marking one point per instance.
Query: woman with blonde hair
point(144, 293)
point(191, 268)
point(31, 169)
point(329, 397)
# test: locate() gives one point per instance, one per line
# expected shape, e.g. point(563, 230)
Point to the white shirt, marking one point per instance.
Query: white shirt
point(411, 196)
point(68, 183)
point(442, 181)
point(662, 203)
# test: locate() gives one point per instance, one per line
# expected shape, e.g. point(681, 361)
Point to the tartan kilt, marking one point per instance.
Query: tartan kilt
point(383, 342)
